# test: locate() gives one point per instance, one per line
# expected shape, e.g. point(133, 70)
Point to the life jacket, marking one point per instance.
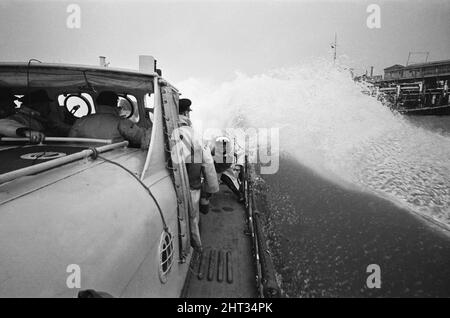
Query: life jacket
point(102, 125)
point(192, 154)
point(198, 159)
point(223, 154)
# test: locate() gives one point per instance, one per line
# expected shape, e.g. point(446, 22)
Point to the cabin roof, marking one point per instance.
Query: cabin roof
point(394, 67)
point(49, 75)
point(75, 67)
point(434, 63)
point(417, 65)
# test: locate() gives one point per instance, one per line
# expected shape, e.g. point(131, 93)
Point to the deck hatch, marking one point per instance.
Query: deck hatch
point(26, 156)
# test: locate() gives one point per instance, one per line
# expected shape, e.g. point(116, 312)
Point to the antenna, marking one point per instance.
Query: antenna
point(417, 53)
point(334, 46)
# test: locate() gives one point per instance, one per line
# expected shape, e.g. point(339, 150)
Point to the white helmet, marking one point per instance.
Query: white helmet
point(223, 139)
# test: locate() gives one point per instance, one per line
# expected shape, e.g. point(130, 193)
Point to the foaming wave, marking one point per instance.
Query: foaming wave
point(326, 123)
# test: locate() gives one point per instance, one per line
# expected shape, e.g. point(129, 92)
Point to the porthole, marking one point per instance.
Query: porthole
point(165, 252)
point(149, 102)
point(78, 105)
point(126, 107)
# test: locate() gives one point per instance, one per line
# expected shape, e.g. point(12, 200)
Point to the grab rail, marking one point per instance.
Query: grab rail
point(266, 280)
point(61, 139)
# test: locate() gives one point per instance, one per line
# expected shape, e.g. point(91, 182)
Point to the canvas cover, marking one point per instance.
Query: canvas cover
point(53, 76)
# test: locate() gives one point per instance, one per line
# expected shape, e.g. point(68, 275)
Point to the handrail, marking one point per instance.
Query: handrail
point(266, 281)
point(12, 175)
point(60, 139)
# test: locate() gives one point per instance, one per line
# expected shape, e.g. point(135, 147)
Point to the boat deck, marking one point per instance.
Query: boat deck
point(226, 267)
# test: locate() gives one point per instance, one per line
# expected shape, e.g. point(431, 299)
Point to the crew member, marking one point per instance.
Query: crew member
point(106, 123)
point(229, 171)
point(33, 119)
point(7, 106)
point(199, 163)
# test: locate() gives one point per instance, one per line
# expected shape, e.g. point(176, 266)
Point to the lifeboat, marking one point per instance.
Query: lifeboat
point(96, 217)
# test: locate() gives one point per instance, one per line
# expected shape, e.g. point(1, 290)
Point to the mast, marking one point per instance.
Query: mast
point(334, 46)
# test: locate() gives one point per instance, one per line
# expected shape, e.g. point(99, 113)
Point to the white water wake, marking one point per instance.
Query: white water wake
point(327, 124)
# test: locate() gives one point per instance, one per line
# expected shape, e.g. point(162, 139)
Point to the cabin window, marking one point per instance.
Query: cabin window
point(78, 105)
point(128, 107)
point(149, 102)
point(17, 102)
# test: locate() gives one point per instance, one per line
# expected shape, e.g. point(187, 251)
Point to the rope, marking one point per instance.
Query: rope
point(95, 155)
point(89, 86)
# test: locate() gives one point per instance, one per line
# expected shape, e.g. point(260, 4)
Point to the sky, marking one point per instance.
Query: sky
point(215, 39)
